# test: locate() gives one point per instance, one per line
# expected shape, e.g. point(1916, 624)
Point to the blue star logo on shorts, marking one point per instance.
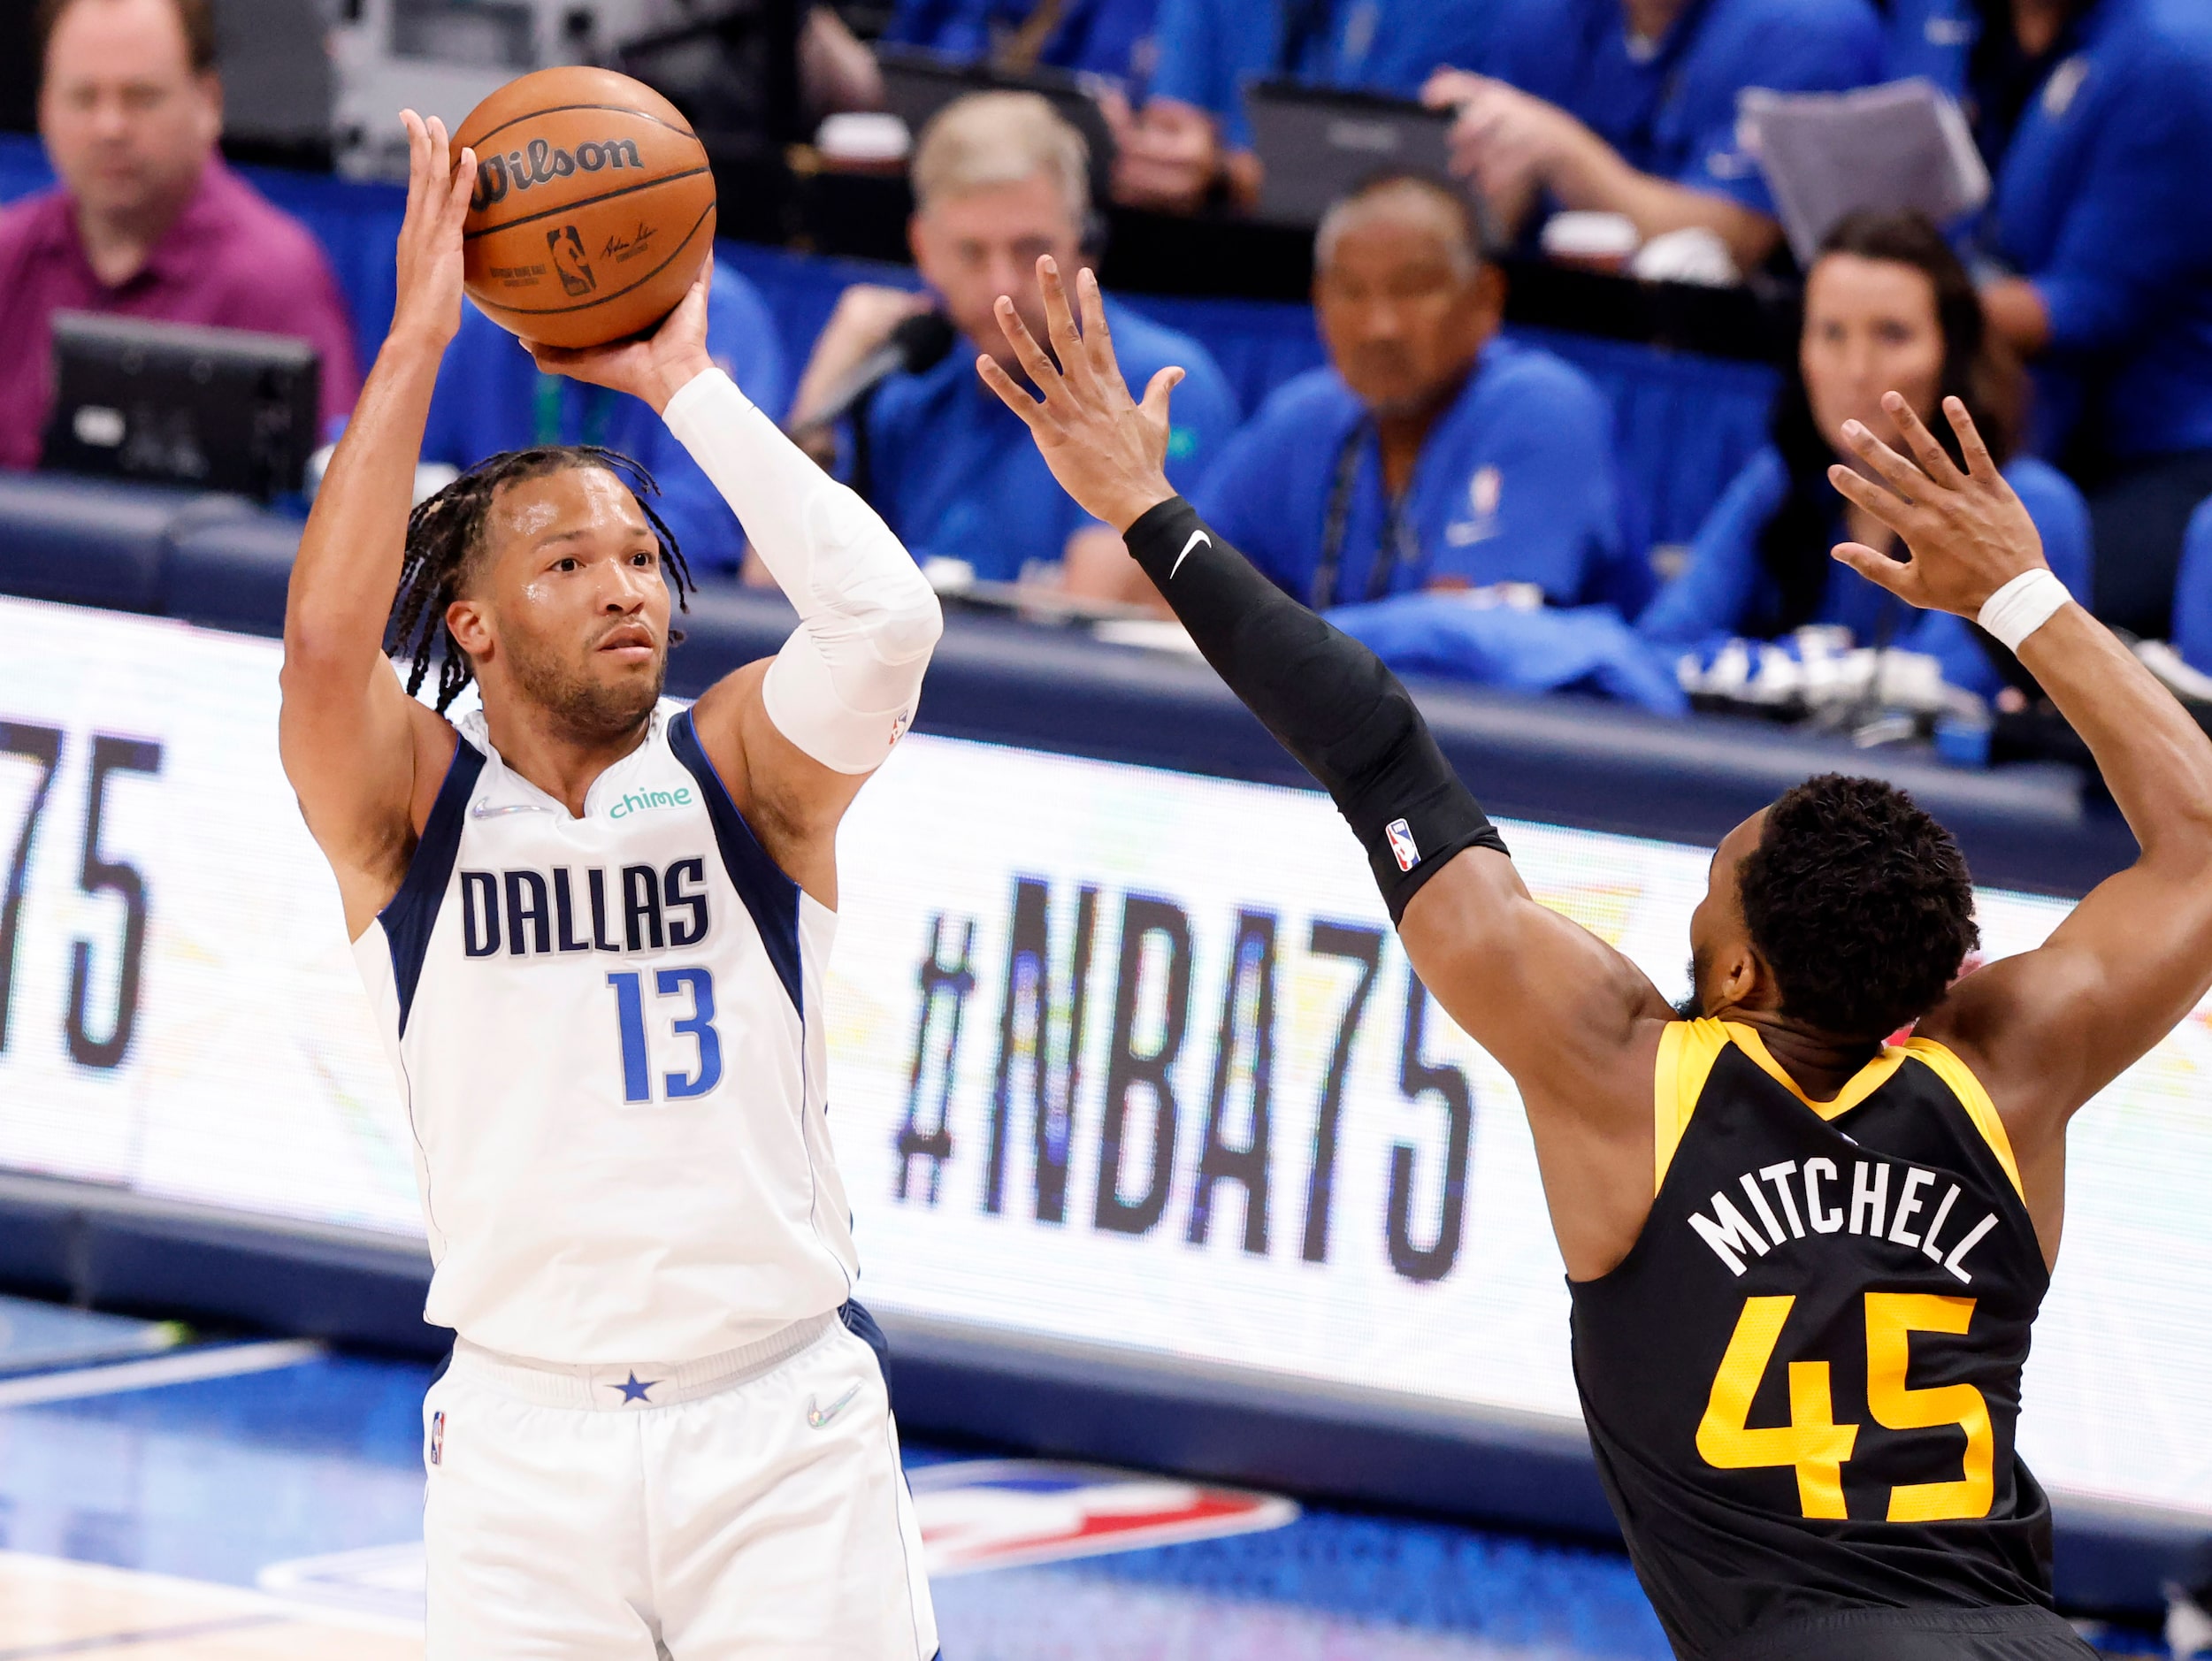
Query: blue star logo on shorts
point(634, 1390)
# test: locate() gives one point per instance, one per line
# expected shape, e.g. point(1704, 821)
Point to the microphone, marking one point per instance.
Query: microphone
point(920, 342)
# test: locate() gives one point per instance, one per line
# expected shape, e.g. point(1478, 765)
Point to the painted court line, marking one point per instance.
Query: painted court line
point(98, 1642)
point(217, 1361)
point(54, 1606)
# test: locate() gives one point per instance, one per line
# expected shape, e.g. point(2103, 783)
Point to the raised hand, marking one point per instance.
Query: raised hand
point(1108, 452)
point(1967, 531)
point(1506, 140)
point(429, 299)
point(655, 367)
point(863, 319)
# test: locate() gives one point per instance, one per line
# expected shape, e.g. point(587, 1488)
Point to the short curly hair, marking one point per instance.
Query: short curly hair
point(1860, 903)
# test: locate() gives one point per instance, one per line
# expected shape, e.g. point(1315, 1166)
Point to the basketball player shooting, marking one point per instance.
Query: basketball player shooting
point(594, 926)
point(1804, 1261)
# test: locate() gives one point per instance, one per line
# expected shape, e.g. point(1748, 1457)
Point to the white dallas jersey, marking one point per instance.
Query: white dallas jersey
point(608, 1035)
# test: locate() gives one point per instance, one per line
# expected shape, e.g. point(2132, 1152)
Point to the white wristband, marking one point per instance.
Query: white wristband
point(2022, 606)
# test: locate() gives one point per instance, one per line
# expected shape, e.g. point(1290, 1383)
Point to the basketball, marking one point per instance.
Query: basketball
point(593, 208)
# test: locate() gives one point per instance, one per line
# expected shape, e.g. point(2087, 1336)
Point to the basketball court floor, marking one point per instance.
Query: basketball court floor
point(169, 1500)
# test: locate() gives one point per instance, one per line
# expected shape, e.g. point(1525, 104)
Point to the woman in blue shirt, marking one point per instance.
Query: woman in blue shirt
point(2095, 117)
point(1887, 307)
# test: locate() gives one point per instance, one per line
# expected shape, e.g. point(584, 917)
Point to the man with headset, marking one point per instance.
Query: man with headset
point(1428, 453)
point(999, 180)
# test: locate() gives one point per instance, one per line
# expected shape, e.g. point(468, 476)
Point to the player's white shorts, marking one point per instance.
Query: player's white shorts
point(749, 1507)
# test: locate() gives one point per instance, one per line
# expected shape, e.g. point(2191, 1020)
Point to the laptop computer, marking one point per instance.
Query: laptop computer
point(1318, 144)
point(176, 403)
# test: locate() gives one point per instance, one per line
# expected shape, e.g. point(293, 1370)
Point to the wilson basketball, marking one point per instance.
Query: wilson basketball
point(593, 207)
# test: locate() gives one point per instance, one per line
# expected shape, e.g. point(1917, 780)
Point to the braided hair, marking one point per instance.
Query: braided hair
point(446, 532)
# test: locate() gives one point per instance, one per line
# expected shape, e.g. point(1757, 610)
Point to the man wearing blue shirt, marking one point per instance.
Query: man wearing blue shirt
point(1113, 38)
point(999, 180)
point(1630, 106)
point(490, 397)
point(2096, 119)
point(1428, 454)
point(1930, 39)
point(1193, 133)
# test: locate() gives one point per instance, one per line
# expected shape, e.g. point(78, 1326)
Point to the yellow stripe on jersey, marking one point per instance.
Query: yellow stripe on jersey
point(1688, 1050)
point(1972, 1096)
point(1861, 1084)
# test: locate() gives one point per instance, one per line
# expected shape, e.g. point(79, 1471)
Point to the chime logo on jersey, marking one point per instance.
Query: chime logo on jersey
point(998, 1513)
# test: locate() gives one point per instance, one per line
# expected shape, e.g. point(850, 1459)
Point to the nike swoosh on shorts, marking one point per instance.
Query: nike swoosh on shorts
point(817, 1417)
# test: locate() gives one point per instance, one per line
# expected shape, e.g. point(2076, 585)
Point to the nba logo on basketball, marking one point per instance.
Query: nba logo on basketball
point(438, 1438)
point(1402, 848)
point(569, 262)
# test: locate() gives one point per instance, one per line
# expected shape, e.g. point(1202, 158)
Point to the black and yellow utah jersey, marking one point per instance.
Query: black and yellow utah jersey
point(1801, 1383)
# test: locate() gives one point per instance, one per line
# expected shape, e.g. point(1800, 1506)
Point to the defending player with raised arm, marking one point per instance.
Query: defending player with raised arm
point(1804, 1262)
point(595, 925)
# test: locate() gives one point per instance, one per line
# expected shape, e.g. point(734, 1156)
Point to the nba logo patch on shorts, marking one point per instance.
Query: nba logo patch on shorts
point(1402, 848)
point(438, 1438)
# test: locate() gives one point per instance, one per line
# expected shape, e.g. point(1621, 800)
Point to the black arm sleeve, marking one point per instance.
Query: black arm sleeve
point(1328, 699)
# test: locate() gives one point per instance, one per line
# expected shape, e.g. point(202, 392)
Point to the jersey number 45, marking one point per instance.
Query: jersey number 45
point(1815, 1445)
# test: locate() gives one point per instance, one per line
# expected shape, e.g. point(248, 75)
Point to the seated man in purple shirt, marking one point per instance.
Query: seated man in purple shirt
point(147, 221)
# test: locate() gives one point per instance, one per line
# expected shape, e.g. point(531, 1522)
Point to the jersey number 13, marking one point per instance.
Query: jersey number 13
point(698, 1025)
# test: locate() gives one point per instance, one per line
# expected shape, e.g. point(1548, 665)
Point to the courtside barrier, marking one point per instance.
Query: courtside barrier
point(1157, 1150)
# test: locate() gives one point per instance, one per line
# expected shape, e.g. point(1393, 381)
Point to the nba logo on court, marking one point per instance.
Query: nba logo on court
point(998, 1513)
point(1402, 848)
point(438, 1438)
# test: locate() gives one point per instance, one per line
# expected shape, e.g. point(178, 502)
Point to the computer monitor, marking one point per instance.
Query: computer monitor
point(918, 83)
point(1317, 144)
point(177, 403)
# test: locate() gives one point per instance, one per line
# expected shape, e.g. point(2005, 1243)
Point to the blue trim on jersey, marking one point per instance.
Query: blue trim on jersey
point(770, 895)
point(413, 912)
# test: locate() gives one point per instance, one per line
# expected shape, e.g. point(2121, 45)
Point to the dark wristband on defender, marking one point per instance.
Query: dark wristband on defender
point(1328, 700)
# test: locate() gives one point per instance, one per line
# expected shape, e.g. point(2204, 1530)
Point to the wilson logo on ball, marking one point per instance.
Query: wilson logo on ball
point(592, 209)
point(540, 163)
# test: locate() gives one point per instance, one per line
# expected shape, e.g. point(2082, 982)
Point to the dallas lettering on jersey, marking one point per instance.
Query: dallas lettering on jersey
point(1827, 1211)
point(638, 908)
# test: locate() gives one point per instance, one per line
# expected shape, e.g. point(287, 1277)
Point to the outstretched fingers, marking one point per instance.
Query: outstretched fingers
point(1060, 319)
point(1156, 393)
point(995, 377)
point(1098, 339)
point(417, 155)
point(1979, 462)
point(1906, 518)
point(1934, 460)
point(1899, 576)
point(460, 193)
point(1036, 362)
point(1900, 474)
